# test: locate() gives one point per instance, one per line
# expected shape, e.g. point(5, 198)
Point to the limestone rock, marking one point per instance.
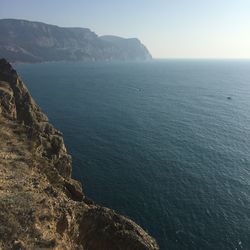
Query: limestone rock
point(44, 42)
point(41, 206)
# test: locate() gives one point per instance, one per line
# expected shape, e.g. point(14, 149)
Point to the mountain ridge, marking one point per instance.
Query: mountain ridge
point(32, 41)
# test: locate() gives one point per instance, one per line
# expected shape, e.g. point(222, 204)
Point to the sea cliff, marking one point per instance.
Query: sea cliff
point(41, 206)
point(27, 41)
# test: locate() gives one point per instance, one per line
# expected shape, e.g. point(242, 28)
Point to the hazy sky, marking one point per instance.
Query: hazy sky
point(169, 28)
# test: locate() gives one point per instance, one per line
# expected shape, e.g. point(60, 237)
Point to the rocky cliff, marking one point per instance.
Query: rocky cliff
point(41, 206)
point(26, 41)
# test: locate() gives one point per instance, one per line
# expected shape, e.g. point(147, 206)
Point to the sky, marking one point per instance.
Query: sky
point(168, 28)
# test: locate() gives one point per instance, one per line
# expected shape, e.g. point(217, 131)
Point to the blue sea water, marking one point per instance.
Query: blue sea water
point(159, 141)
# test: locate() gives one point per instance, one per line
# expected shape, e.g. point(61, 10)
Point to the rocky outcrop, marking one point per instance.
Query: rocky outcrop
point(26, 41)
point(41, 206)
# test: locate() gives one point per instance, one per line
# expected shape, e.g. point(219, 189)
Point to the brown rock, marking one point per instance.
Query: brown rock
point(40, 205)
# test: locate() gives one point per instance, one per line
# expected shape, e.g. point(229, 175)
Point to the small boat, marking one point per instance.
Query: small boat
point(229, 98)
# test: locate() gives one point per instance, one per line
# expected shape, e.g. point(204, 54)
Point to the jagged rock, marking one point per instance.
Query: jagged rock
point(41, 207)
point(74, 189)
point(112, 231)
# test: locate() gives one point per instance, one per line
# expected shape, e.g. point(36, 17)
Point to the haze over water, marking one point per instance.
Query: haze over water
point(166, 143)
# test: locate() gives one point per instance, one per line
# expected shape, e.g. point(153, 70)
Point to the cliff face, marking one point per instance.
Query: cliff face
point(41, 207)
point(26, 41)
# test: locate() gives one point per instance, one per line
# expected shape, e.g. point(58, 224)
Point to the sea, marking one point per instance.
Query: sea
point(165, 142)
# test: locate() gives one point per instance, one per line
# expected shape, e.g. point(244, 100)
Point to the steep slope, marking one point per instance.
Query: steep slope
point(41, 207)
point(129, 49)
point(27, 41)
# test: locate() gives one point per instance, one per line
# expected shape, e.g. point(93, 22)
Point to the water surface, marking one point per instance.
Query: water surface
point(160, 142)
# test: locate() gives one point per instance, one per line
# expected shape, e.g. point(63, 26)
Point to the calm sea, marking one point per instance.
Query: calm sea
point(166, 143)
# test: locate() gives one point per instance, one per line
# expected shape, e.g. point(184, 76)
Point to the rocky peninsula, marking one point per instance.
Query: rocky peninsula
point(27, 41)
point(41, 206)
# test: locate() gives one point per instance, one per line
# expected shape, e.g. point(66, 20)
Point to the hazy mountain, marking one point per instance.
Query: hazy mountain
point(27, 41)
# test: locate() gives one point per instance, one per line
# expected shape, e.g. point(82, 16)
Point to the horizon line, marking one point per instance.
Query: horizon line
point(201, 58)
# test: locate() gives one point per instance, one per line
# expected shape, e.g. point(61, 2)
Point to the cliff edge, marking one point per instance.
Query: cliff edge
point(27, 41)
point(41, 206)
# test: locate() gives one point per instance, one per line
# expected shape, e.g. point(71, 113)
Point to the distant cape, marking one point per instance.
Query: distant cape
point(26, 41)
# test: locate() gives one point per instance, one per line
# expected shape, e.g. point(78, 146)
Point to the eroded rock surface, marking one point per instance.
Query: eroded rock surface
point(41, 207)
